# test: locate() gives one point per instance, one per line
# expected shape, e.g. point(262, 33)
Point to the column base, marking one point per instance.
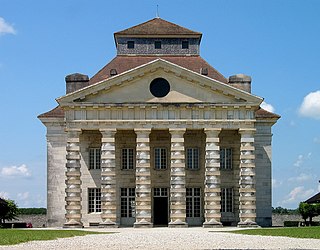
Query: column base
point(108, 223)
point(248, 223)
point(177, 223)
point(143, 224)
point(212, 223)
point(73, 224)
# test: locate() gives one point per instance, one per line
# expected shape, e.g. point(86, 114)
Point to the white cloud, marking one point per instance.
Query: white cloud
point(4, 195)
point(301, 178)
point(23, 196)
point(6, 28)
point(301, 159)
point(298, 194)
point(267, 107)
point(276, 183)
point(310, 106)
point(15, 171)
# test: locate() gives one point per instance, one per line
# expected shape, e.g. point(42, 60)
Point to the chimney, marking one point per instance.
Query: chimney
point(75, 82)
point(241, 81)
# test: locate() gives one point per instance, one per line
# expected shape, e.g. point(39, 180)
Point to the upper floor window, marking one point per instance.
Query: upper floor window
point(130, 44)
point(94, 200)
point(185, 44)
point(226, 158)
point(157, 44)
point(94, 158)
point(160, 158)
point(192, 158)
point(127, 159)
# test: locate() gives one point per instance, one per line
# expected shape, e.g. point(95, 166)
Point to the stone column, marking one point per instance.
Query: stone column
point(143, 179)
point(247, 190)
point(108, 179)
point(177, 180)
point(73, 181)
point(212, 191)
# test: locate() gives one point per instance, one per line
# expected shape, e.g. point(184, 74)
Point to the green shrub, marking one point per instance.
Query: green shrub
point(291, 223)
point(29, 211)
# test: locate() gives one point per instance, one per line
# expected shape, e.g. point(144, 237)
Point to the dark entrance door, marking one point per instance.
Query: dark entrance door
point(160, 211)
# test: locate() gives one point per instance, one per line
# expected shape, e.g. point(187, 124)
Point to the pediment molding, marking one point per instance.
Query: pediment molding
point(128, 77)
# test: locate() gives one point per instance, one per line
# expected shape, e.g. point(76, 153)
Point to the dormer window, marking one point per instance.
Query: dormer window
point(130, 44)
point(185, 44)
point(157, 44)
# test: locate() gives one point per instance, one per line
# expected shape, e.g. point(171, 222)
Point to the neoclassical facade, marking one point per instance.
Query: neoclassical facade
point(158, 137)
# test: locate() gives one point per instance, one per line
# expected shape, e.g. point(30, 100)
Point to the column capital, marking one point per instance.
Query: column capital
point(177, 130)
point(247, 131)
point(142, 130)
point(73, 132)
point(212, 131)
point(108, 131)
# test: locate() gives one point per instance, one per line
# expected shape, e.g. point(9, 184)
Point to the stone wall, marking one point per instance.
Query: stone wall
point(37, 220)
point(279, 219)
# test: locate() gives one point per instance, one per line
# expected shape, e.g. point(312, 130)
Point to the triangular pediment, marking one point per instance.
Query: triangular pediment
point(133, 86)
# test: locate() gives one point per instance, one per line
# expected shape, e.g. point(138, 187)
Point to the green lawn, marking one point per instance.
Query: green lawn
point(16, 236)
point(294, 232)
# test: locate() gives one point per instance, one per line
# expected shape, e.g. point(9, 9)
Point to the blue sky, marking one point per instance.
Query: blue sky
point(277, 42)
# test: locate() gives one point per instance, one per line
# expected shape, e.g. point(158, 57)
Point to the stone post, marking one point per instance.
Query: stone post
point(212, 191)
point(177, 180)
point(73, 180)
point(143, 179)
point(247, 191)
point(108, 179)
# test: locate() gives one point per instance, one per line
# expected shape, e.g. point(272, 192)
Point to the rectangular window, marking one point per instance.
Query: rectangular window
point(185, 44)
point(130, 44)
point(94, 158)
point(127, 202)
point(160, 158)
point(226, 158)
point(192, 158)
point(157, 44)
point(193, 202)
point(160, 192)
point(94, 200)
point(226, 200)
point(127, 159)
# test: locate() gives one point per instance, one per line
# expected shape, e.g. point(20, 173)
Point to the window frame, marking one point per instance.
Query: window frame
point(130, 44)
point(158, 163)
point(193, 161)
point(227, 203)
point(94, 158)
point(157, 45)
point(127, 197)
point(94, 200)
point(226, 158)
point(193, 202)
point(127, 159)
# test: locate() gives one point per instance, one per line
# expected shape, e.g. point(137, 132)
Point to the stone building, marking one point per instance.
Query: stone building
point(158, 137)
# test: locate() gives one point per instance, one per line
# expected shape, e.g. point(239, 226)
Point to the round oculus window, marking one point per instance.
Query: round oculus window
point(159, 87)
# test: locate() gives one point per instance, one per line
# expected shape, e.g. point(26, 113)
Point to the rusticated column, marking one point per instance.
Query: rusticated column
point(247, 189)
point(177, 180)
point(73, 181)
point(143, 179)
point(108, 179)
point(212, 191)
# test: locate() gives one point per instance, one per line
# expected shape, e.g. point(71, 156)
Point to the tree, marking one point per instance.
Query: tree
point(8, 210)
point(309, 211)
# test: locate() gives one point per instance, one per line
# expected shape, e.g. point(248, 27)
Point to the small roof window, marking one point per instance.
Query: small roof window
point(130, 44)
point(185, 44)
point(157, 44)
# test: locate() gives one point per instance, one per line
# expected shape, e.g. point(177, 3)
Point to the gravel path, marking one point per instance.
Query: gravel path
point(169, 238)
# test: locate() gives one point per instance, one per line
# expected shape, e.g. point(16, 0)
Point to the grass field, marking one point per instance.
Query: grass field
point(16, 236)
point(294, 232)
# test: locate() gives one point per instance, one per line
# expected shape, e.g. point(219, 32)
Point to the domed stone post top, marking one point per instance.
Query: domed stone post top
point(75, 82)
point(241, 81)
